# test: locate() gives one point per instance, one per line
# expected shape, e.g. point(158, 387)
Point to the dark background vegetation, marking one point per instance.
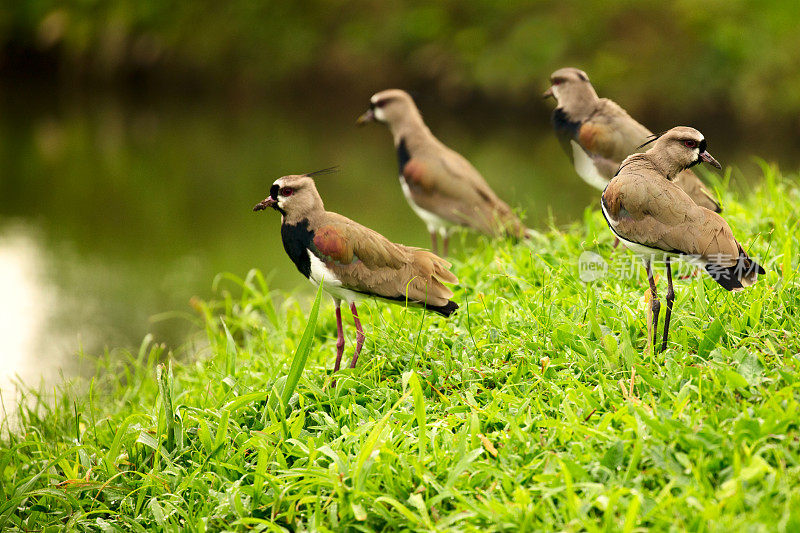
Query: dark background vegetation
point(684, 58)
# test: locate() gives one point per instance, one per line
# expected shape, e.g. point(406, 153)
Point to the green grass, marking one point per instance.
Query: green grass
point(539, 406)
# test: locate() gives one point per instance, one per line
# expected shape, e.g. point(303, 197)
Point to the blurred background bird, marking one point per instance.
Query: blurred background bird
point(441, 186)
point(598, 134)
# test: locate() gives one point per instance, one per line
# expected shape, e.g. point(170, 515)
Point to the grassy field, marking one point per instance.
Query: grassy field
point(539, 406)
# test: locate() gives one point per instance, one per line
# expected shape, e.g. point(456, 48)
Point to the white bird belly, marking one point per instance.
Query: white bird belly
point(434, 222)
point(648, 254)
point(585, 167)
point(330, 283)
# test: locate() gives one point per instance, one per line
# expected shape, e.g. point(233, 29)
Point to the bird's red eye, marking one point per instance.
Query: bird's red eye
point(556, 82)
point(286, 191)
point(690, 143)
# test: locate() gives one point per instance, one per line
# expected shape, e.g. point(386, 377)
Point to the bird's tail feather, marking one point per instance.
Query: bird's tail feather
point(737, 276)
point(445, 310)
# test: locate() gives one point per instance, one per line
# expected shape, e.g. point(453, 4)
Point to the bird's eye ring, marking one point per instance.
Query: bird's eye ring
point(690, 143)
point(286, 191)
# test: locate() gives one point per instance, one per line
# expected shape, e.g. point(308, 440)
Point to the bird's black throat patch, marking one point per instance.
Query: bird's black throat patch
point(297, 239)
point(566, 129)
point(563, 124)
point(402, 155)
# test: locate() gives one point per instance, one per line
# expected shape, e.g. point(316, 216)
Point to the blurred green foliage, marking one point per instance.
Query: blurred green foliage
point(716, 56)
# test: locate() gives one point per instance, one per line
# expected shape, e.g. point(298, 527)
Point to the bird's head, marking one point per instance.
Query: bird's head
point(571, 88)
point(391, 107)
point(680, 148)
point(293, 196)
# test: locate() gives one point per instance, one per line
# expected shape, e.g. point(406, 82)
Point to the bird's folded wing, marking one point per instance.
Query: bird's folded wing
point(366, 262)
point(696, 189)
point(611, 133)
point(449, 186)
point(345, 243)
point(661, 215)
point(594, 169)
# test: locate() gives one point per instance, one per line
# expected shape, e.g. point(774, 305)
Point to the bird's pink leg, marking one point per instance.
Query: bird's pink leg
point(339, 335)
point(445, 244)
point(359, 335)
point(434, 243)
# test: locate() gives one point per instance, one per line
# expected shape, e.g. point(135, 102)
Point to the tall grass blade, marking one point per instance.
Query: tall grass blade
point(230, 352)
point(300, 357)
point(711, 338)
point(372, 442)
point(165, 390)
point(419, 411)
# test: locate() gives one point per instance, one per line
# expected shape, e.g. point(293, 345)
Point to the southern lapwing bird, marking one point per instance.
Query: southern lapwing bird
point(655, 218)
point(353, 262)
point(598, 134)
point(441, 186)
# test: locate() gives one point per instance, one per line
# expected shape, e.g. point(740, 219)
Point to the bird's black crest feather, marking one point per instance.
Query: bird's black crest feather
point(651, 139)
point(321, 172)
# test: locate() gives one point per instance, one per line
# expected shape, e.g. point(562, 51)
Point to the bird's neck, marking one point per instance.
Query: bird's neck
point(663, 165)
point(410, 127)
point(310, 209)
point(579, 105)
point(579, 112)
point(297, 239)
point(667, 166)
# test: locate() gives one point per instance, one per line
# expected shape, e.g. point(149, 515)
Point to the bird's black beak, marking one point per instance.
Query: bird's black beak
point(267, 202)
point(368, 116)
point(548, 93)
point(705, 156)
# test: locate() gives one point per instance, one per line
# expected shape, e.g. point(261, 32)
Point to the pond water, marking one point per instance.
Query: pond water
point(115, 210)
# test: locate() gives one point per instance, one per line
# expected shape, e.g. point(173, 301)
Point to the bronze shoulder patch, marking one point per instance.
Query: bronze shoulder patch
point(333, 245)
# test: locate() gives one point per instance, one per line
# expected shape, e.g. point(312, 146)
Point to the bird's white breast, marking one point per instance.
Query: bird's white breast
point(434, 222)
point(586, 168)
point(330, 282)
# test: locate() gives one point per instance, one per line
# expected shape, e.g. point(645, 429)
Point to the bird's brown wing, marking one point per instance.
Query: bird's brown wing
point(367, 262)
point(445, 183)
point(605, 167)
point(648, 209)
point(611, 133)
point(697, 191)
